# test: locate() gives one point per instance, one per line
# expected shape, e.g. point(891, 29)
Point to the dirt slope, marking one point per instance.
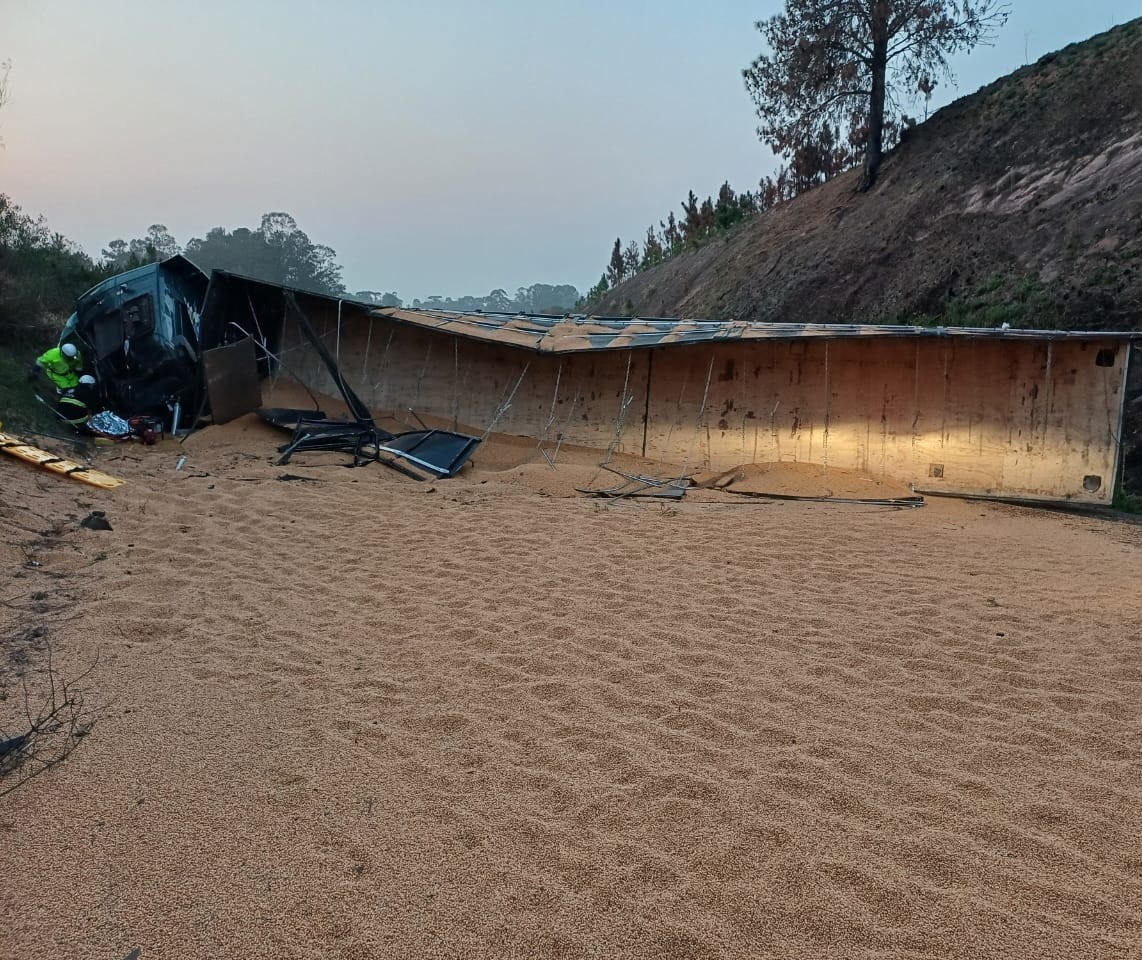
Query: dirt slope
point(1021, 203)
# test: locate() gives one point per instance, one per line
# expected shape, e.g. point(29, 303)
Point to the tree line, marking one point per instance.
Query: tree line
point(814, 163)
point(538, 298)
point(829, 92)
point(281, 252)
point(42, 272)
point(277, 250)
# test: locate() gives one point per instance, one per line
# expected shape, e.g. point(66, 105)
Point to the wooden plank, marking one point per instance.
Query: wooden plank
point(49, 461)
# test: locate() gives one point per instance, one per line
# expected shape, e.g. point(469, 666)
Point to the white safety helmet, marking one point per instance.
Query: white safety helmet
point(68, 350)
point(87, 380)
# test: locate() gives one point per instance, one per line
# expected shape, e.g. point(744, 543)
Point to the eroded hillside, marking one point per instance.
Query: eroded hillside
point(1021, 203)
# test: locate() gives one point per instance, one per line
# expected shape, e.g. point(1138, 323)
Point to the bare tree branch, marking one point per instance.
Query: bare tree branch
point(51, 731)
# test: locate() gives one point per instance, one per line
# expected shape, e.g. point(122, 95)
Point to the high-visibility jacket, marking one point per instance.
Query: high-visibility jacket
point(73, 410)
point(62, 371)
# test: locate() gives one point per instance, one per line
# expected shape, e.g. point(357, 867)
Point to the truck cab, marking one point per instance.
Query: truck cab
point(138, 333)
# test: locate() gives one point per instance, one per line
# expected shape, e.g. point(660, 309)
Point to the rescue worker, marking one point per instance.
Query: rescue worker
point(62, 365)
point(76, 405)
point(87, 391)
point(72, 409)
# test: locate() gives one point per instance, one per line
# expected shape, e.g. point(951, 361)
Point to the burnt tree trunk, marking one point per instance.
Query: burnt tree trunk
point(874, 151)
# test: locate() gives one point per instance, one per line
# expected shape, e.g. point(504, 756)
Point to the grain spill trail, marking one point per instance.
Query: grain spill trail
point(358, 719)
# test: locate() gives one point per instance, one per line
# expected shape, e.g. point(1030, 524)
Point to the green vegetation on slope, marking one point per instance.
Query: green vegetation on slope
point(20, 411)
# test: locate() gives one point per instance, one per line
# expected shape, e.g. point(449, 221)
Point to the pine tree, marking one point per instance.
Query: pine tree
point(691, 226)
point(706, 219)
point(631, 259)
point(596, 292)
point(616, 269)
point(726, 210)
point(652, 251)
point(842, 61)
point(671, 235)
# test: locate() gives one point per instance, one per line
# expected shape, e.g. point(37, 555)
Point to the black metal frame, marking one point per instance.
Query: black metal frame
point(361, 437)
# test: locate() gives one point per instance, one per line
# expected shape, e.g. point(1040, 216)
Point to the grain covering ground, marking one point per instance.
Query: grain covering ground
point(359, 716)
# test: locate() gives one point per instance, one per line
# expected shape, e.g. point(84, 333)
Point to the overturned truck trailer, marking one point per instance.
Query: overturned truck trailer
point(1012, 414)
point(1037, 416)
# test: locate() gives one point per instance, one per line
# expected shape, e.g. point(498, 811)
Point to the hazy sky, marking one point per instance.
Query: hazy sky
point(440, 146)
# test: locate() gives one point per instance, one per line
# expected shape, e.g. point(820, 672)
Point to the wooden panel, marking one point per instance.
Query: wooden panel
point(724, 405)
point(1065, 425)
point(1019, 418)
point(962, 414)
point(232, 380)
point(842, 403)
point(872, 397)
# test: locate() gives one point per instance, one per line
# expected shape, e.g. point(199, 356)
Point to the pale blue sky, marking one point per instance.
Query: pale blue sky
point(440, 146)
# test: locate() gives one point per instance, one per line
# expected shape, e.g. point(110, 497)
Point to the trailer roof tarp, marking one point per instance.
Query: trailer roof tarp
point(579, 333)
